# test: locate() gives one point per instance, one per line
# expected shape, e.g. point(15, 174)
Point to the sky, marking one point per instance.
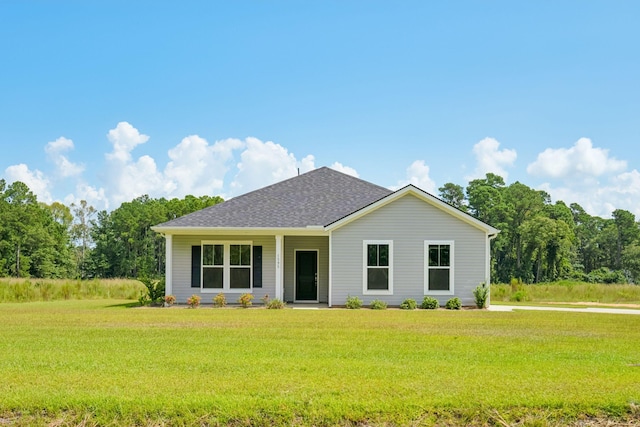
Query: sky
point(106, 101)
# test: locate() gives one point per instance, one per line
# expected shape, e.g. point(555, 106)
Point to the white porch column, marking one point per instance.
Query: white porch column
point(168, 267)
point(279, 269)
point(330, 268)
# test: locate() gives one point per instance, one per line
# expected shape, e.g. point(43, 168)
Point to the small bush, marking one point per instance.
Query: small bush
point(275, 304)
point(245, 300)
point(353, 303)
point(377, 304)
point(169, 300)
point(219, 300)
point(519, 296)
point(429, 303)
point(154, 294)
point(481, 293)
point(453, 304)
point(193, 301)
point(409, 304)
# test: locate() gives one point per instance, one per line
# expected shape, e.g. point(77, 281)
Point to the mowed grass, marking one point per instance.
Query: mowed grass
point(101, 362)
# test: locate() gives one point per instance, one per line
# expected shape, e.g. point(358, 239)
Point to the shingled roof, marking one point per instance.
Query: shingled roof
point(316, 198)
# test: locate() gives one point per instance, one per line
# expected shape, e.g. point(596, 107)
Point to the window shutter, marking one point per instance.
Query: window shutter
point(195, 266)
point(257, 266)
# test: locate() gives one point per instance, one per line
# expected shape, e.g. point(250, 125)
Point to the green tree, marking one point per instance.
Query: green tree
point(454, 195)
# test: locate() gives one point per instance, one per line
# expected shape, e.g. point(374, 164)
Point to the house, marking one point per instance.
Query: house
point(323, 236)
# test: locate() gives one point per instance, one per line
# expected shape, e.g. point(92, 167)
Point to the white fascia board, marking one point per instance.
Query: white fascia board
point(192, 231)
point(424, 196)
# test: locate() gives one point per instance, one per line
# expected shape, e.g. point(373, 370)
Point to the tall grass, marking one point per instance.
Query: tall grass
point(29, 290)
point(566, 291)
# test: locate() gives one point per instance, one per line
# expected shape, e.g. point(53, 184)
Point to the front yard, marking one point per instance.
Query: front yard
point(104, 363)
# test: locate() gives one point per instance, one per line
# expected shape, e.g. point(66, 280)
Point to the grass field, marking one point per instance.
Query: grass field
point(100, 362)
point(566, 291)
point(27, 290)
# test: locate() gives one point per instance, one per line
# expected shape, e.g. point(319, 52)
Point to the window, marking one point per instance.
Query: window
point(226, 266)
point(378, 267)
point(438, 267)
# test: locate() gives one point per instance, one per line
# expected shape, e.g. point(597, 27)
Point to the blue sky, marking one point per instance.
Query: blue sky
point(108, 100)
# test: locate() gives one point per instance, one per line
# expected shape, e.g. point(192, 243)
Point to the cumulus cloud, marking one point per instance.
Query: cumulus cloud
point(581, 161)
point(127, 178)
point(344, 169)
point(589, 176)
point(418, 175)
point(37, 182)
point(264, 163)
point(64, 167)
point(196, 167)
point(490, 159)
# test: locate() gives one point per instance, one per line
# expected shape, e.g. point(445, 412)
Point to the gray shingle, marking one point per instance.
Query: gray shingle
point(316, 198)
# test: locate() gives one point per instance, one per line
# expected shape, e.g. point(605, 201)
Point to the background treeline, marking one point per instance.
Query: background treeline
point(539, 241)
point(77, 241)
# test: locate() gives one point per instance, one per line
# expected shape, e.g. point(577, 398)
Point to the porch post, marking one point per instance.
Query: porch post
point(279, 269)
point(168, 266)
point(330, 269)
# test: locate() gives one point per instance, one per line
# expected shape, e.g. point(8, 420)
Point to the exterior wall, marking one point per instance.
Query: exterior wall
point(408, 222)
point(181, 271)
point(291, 243)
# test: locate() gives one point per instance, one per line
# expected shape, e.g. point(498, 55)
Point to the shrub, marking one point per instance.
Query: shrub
point(429, 303)
point(275, 304)
point(219, 300)
point(519, 296)
point(409, 304)
point(353, 303)
point(453, 304)
point(377, 304)
point(154, 294)
point(245, 300)
point(169, 300)
point(481, 293)
point(193, 301)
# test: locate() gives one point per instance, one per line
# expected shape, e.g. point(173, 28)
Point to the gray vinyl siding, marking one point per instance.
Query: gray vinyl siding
point(291, 243)
point(408, 222)
point(181, 277)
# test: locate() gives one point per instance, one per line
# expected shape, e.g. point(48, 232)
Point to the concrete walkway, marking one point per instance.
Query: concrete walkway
point(575, 310)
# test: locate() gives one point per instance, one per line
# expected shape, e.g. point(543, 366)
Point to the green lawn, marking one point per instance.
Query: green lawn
point(98, 362)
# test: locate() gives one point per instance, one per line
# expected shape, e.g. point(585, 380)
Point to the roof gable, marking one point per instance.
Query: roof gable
point(313, 199)
point(422, 195)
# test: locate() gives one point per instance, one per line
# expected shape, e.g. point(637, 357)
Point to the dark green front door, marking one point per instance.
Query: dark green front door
point(306, 276)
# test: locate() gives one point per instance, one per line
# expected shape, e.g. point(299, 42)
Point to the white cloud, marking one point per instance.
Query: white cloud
point(344, 169)
point(582, 161)
point(199, 168)
point(264, 163)
point(418, 175)
point(587, 175)
point(35, 180)
point(490, 159)
point(64, 167)
point(124, 138)
point(127, 179)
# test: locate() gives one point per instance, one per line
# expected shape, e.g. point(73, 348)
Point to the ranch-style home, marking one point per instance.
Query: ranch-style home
point(323, 236)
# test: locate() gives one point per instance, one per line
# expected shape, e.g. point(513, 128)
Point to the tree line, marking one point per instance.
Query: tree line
point(539, 241)
point(77, 241)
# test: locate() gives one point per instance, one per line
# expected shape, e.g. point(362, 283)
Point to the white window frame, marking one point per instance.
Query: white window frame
point(451, 267)
point(365, 267)
point(226, 264)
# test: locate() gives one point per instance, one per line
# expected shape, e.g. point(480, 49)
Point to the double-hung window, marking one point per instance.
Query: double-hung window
point(378, 267)
point(438, 267)
point(226, 266)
